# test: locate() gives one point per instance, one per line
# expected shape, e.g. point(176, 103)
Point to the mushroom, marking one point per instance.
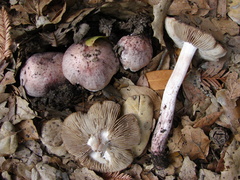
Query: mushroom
point(90, 66)
point(190, 39)
point(99, 139)
point(42, 72)
point(135, 52)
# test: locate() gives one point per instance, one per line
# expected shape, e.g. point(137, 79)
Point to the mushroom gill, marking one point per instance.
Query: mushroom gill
point(99, 139)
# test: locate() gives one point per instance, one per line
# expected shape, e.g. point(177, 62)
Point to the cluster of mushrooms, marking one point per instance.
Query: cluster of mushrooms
point(103, 139)
point(91, 65)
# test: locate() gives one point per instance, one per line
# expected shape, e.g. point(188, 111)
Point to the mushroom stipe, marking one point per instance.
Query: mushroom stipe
point(190, 39)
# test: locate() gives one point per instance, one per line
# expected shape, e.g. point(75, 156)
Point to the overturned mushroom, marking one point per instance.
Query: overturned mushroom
point(190, 39)
point(135, 52)
point(90, 66)
point(42, 72)
point(99, 139)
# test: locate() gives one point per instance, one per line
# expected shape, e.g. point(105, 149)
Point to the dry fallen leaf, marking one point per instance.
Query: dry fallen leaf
point(160, 12)
point(132, 90)
point(51, 137)
point(8, 139)
point(234, 10)
point(27, 131)
point(175, 142)
point(196, 143)
point(230, 116)
point(188, 169)
point(233, 85)
point(205, 174)
point(84, 174)
point(19, 110)
point(232, 162)
point(208, 120)
point(141, 106)
point(158, 79)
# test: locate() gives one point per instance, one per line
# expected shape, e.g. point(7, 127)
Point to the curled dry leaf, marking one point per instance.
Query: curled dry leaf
point(208, 120)
point(27, 131)
point(160, 12)
point(5, 38)
point(18, 110)
point(8, 139)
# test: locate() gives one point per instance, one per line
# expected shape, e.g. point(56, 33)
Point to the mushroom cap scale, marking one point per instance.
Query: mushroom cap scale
point(135, 52)
point(90, 66)
point(99, 139)
point(42, 72)
point(207, 46)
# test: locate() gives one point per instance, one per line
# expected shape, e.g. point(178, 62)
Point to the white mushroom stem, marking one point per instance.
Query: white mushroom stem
point(164, 123)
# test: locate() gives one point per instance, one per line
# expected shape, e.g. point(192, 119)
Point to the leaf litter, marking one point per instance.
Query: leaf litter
point(204, 143)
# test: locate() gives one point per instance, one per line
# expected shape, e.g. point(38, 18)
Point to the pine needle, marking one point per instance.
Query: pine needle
point(5, 38)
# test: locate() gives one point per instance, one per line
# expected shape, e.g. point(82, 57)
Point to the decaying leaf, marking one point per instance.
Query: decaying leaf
point(175, 142)
point(45, 171)
point(19, 110)
point(205, 174)
point(198, 7)
point(85, 174)
point(208, 120)
point(160, 12)
point(57, 37)
point(5, 38)
point(234, 11)
point(231, 114)
point(27, 131)
point(233, 85)
point(196, 144)
point(8, 139)
point(51, 137)
point(232, 162)
point(188, 170)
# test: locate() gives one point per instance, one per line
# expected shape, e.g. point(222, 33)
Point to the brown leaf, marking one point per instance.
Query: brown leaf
point(27, 131)
point(233, 85)
point(208, 120)
point(158, 79)
point(196, 144)
point(5, 38)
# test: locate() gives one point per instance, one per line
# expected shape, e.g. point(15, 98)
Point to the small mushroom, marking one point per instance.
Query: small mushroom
point(190, 39)
point(42, 72)
point(135, 52)
point(99, 139)
point(90, 66)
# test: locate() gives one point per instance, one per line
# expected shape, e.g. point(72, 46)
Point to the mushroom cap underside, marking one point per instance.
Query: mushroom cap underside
point(99, 139)
point(208, 47)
